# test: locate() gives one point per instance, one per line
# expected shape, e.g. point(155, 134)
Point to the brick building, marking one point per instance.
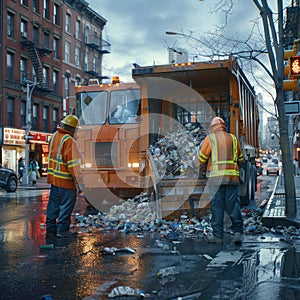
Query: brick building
point(48, 47)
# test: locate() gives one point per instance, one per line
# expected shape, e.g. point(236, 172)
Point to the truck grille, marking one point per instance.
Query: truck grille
point(106, 154)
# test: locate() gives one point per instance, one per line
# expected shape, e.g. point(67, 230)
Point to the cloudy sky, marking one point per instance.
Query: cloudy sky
point(136, 28)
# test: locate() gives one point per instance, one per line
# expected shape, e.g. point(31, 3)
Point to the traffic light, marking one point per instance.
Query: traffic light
point(292, 68)
point(294, 64)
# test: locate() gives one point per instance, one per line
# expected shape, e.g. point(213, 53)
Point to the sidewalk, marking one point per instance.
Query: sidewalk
point(274, 213)
point(41, 184)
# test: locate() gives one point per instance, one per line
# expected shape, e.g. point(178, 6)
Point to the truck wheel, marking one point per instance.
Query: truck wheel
point(246, 189)
point(254, 181)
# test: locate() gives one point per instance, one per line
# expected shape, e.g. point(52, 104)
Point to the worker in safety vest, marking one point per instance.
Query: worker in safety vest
point(221, 154)
point(63, 168)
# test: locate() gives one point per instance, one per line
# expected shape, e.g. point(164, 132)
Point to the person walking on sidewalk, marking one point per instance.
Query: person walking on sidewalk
point(63, 167)
point(21, 167)
point(221, 155)
point(34, 171)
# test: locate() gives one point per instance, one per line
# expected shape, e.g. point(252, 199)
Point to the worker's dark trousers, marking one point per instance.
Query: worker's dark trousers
point(225, 198)
point(60, 206)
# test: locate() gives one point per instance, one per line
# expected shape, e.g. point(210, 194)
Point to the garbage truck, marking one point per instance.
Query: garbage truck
point(143, 137)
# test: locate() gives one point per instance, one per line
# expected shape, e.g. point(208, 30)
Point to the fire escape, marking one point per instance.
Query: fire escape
point(34, 54)
point(102, 47)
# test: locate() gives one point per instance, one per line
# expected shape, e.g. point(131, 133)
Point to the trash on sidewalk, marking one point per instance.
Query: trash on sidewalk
point(136, 216)
point(126, 291)
point(169, 271)
point(113, 250)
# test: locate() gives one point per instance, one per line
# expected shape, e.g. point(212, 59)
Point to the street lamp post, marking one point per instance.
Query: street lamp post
point(184, 35)
point(29, 90)
point(189, 36)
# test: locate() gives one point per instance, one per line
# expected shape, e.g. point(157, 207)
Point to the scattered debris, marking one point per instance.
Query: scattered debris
point(113, 250)
point(170, 271)
point(136, 216)
point(126, 291)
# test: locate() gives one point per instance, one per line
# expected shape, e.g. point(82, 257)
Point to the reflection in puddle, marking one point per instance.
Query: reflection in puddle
point(268, 273)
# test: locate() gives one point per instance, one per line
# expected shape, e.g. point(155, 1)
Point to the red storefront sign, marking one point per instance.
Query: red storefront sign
point(39, 137)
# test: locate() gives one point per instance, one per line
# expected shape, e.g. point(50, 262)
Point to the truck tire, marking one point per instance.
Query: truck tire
point(254, 170)
point(246, 189)
point(255, 179)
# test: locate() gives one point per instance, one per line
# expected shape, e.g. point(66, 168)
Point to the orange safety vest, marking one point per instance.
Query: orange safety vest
point(221, 159)
point(63, 160)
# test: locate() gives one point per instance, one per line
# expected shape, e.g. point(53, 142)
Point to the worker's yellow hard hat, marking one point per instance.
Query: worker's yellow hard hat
point(70, 120)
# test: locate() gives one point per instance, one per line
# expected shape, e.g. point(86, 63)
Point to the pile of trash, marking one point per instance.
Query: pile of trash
point(176, 153)
point(137, 216)
point(134, 216)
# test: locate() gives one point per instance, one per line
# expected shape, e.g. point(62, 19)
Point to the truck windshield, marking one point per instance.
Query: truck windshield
point(124, 106)
point(93, 107)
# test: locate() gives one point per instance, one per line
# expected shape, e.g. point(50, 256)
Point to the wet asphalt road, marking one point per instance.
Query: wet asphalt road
point(265, 266)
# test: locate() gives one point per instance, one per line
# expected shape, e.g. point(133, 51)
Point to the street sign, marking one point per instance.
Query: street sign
point(292, 108)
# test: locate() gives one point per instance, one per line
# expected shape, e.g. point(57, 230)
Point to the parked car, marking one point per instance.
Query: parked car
point(8, 179)
point(272, 169)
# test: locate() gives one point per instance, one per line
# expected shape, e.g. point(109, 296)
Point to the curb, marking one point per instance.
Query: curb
point(274, 214)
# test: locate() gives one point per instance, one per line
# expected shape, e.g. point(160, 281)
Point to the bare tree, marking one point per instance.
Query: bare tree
point(273, 37)
point(263, 45)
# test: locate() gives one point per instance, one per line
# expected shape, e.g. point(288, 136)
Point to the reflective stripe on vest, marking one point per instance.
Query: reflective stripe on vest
point(215, 162)
point(59, 161)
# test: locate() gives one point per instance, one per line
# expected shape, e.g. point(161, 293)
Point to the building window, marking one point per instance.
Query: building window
point(24, 2)
point(68, 23)
point(55, 81)
point(86, 60)
point(46, 9)
point(67, 52)
point(23, 69)
point(10, 29)
point(46, 76)
point(46, 40)
point(35, 6)
point(94, 66)
point(77, 56)
point(55, 47)
point(55, 119)
point(10, 66)
point(77, 82)
point(86, 34)
point(77, 30)
point(35, 35)
point(23, 113)
point(45, 118)
point(56, 14)
point(23, 29)
point(34, 77)
point(10, 111)
point(67, 78)
point(35, 113)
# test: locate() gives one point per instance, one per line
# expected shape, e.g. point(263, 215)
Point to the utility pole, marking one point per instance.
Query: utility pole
point(29, 90)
